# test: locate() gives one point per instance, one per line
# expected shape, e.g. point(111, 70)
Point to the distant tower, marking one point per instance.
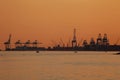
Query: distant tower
point(99, 39)
point(105, 40)
point(74, 41)
point(8, 43)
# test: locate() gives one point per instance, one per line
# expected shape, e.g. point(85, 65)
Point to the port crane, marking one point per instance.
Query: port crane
point(8, 43)
point(27, 44)
point(18, 44)
point(74, 41)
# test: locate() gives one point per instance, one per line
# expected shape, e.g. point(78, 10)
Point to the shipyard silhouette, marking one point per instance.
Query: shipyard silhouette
point(100, 44)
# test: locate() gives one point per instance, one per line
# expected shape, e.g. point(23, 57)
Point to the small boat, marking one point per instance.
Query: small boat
point(117, 53)
point(37, 51)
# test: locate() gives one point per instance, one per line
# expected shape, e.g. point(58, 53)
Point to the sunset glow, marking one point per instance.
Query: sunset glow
point(50, 20)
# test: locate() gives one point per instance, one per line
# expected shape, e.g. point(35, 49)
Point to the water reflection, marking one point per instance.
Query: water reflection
point(59, 66)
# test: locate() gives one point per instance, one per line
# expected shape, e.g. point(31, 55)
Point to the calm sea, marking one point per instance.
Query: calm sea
point(52, 65)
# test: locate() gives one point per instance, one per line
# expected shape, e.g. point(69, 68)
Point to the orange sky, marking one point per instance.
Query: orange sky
point(47, 20)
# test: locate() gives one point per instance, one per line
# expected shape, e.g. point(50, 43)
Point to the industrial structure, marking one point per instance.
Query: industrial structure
point(25, 46)
point(74, 41)
point(100, 44)
point(8, 43)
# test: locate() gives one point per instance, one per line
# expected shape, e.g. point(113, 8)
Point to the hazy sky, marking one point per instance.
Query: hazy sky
point(47, 20)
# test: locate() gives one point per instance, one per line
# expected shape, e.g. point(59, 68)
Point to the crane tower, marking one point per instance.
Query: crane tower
point(74, 41)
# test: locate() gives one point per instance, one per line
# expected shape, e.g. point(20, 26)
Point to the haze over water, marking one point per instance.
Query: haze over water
point(52, 65)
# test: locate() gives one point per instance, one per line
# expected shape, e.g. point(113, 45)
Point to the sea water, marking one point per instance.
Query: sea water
point(59, 65)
